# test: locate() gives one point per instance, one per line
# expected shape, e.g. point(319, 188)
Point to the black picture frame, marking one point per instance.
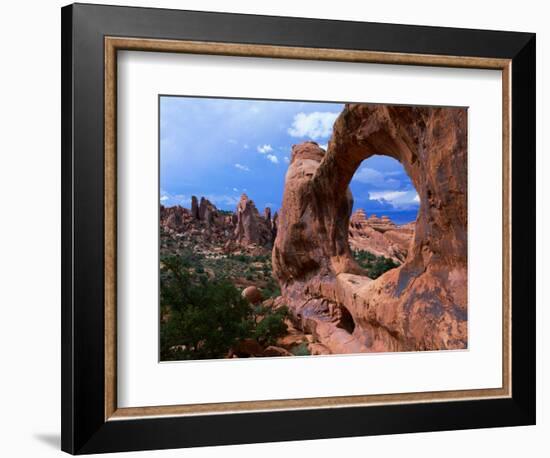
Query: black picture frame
point(84, 428)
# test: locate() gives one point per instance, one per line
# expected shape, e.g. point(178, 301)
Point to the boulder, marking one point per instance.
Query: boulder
point(252, 294)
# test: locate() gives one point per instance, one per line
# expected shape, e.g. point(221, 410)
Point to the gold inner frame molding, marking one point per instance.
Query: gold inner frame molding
point(114, 44)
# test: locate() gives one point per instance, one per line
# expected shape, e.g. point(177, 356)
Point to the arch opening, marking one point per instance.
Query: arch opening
point(344, 319)
point(384, 213)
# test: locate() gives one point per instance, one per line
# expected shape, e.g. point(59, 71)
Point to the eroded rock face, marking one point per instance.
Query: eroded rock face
point(251, 228)
point(208, 212)
point(183, 225)
point(173, 218)
point(274, 225)
point(194, 207)
point(421, 305)
point(380, 236)
point(212, 231)
point(267, 215)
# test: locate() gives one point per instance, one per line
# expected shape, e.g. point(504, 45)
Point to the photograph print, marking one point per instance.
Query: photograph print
point(297, 228)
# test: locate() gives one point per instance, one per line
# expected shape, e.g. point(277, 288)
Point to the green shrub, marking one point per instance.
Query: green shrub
point(300, 350)
point(272, 289)
point(381, 265)
point(374, 265)
point(203, 318)
point(241, 258)
point(207, 317)
point(272, 326)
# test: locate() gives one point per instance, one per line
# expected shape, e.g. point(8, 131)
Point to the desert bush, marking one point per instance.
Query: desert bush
point(207, 317)
point(272, 325)
point(271, 289)
point(380, 266)
point(374, 265)
point(204, 318)
point(300, 350)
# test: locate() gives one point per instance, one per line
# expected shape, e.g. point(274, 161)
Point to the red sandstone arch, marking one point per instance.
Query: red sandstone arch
point(423, 303)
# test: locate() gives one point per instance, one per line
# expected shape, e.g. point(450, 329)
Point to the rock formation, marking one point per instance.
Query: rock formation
point(271, 222)
point(207, 229)
point(172, 218)
point(194, 207)
point(251, 228)
point(380, 236)
point(267, 215)
point(208, 212)
point(274, 225)
point(422, 304)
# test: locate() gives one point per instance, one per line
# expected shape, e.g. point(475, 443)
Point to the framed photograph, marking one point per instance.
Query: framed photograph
point(280, 228)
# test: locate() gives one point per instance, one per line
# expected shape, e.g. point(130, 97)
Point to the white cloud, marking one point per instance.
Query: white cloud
point(173, 199)
point(263, 149)
point(245, 146)
point(182, 198)
point(273, 158)
point(398, 199)
point(313, 125)
point(368, 176)
point(185, 200)
point(235, 189)
point(222, 199)
point(287, 160)
point(376, 178)
point(394, 173)
point(324, 146)
point(244, 168)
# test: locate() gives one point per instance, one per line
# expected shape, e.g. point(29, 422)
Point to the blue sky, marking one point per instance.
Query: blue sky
point(220, 148)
